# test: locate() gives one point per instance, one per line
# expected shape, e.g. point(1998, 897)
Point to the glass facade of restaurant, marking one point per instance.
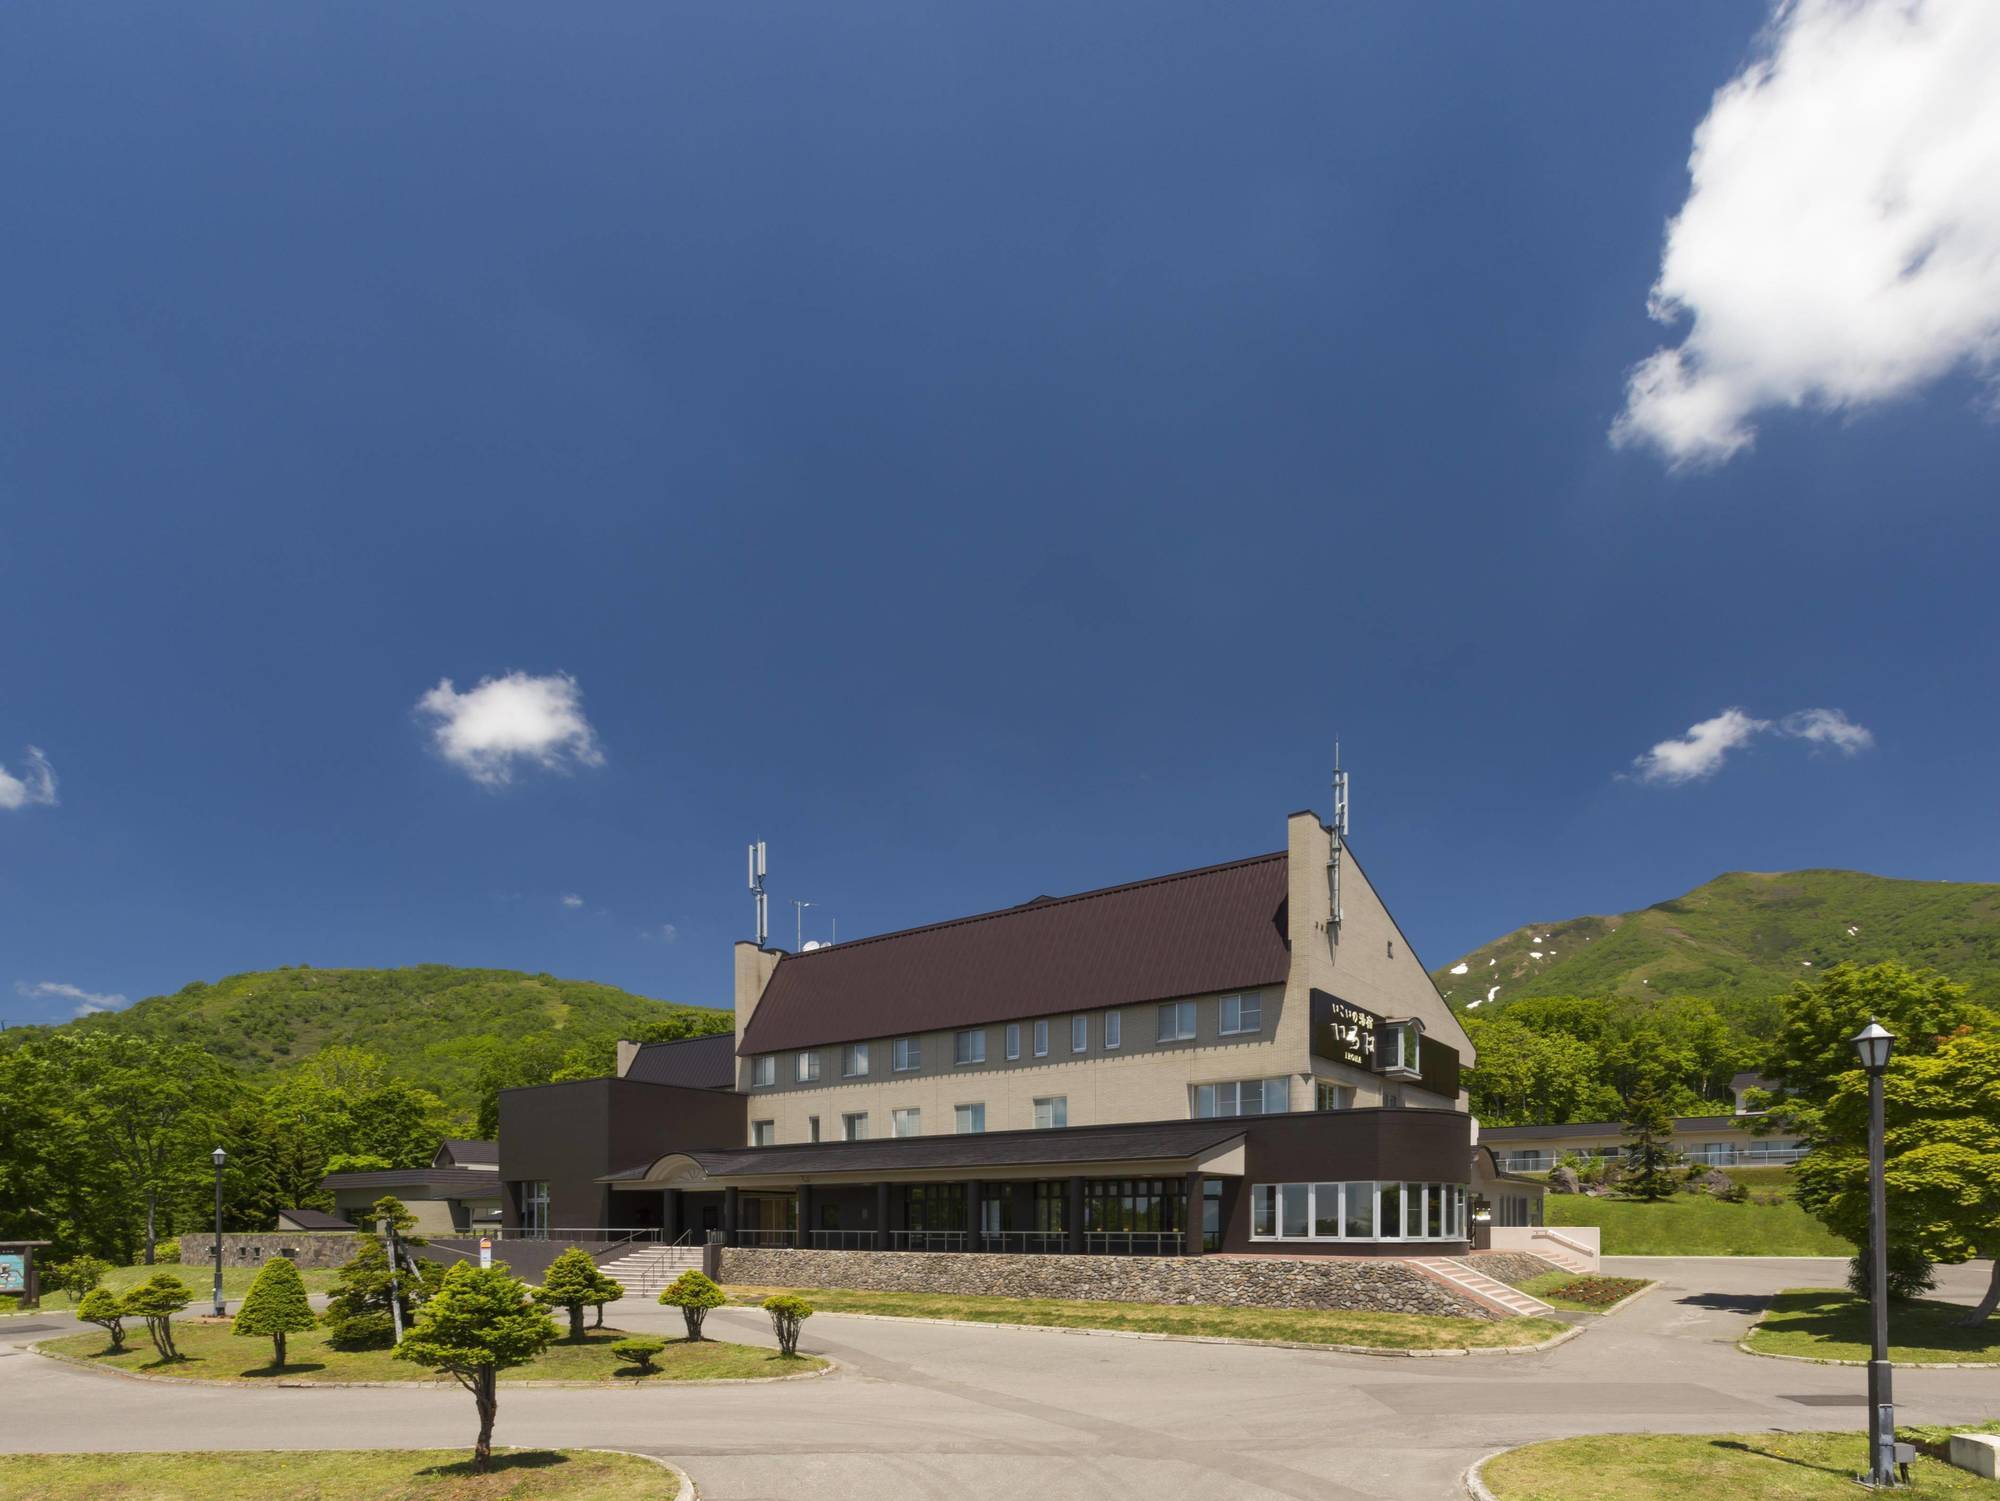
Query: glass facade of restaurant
point(1357, 1211)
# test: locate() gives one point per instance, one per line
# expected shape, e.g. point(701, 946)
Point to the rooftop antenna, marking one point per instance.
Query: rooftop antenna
point(799, 914)
point(757, 889)
point(1337, 838)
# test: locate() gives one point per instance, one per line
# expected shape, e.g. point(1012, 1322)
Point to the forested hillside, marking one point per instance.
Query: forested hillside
point(1743, 938)
point(458, 1033)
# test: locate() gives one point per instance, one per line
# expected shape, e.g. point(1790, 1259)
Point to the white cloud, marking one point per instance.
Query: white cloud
point(569, 899)
point(1699, 753)
point(509, 720)
point(87, 1001)
point(37, 784)
point(1840, 242)
point(666, 932)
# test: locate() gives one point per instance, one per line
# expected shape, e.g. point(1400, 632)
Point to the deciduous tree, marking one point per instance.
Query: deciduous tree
point(480, 1323)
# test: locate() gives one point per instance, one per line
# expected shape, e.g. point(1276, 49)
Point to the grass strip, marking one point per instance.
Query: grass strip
point(1827, 1324)
point(335, 1475)
point(1703, 1467)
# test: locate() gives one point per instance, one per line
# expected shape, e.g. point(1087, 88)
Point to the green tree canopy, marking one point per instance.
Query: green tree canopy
point(480, 1322)
point(276, 1306)
point(157, 1300)
point(571, 1284)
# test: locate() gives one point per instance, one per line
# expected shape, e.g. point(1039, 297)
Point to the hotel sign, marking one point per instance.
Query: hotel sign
point(1343, 1031)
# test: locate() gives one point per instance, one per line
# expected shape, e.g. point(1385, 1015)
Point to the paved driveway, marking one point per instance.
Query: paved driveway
point(930, 1411)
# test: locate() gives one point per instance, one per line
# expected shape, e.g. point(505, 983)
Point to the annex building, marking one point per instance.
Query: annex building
point(1245, 1058)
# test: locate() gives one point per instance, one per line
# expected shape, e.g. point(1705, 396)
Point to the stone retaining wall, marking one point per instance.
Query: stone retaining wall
point(314, 1248)
point(1509, 1266)
point(1381, 1284)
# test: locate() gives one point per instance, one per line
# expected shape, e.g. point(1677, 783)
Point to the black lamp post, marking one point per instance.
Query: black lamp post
point(1874, 1044)
point(217, 1157)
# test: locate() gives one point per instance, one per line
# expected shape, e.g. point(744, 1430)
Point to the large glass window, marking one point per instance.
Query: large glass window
point(905, 1054)
point(1114, 1205)
point(971, 1119)
point(908, 1122)
point(1238, 1014)
point(1357, 1211)
point(854, 1127)
point(1264, 1211)
point(1175, 1022)
point(934, 1206)
point(1051, 1111)
point(969, 1047)
point(854, 1060)
point(535, 1206)
point(1242, 1097)
point(1051, 1205)
point(1326, 1209)
point(1294, 1209)
point(806, 1069)
point(764, 1071)
point(763, 1133)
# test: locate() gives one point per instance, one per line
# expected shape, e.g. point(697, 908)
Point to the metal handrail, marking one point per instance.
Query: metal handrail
point(1154, 1242)
point(772, 1238)
point(927, 1240)
point(1024, 1242)
point(615, 1235)
point(844, 1240)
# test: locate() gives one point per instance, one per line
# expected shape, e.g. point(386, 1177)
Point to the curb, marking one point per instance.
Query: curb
point(1475, 1482)
point(687, 1491)
point(1214, 1339)
point(1913, 1365)
point(281, 1384)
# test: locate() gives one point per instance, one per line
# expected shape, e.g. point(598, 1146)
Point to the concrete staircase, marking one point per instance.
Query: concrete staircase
point(1509, 1302)
point(1564, 1260)
point(644, 1272)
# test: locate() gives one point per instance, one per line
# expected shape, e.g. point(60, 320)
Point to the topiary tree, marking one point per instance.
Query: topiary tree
point(609, 1290)
point(78, 1276)
point(157, 1300)
point(693, 1293)
point(639, 1350)
point(480, 1322)
point(570, 1284)
point(276, 1306)
point(107, 1310)
point(787, 1311)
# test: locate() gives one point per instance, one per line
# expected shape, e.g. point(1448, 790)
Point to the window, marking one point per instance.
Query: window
point(763, 1071)
point(934, 1206)
point(854, 1127)
point(763, 1133)
point(1398, 1047)
point(1243, 1097)
point(906, 1053)
point(906, 1122)
point(1051, 1111)
point(1240, 1014)
point(854, 1060)
point(969, 1047)
point(812, 1128)
point(806, 1069)
point(535, 1206)
point(1211, 1214)
point(1176, 1022)
point(1114, 1208)
point(1079, 1033)
point(1357, 1211)
point(1336, 1096)
point(1114, 1028)
point(1013, 1040)
point(1041, 1039)
point(971, 1120)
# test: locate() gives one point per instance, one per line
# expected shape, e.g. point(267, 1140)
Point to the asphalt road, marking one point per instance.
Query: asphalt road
point(922, 1411)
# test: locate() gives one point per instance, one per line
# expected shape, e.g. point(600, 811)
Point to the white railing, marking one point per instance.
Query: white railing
point(1580, 1241)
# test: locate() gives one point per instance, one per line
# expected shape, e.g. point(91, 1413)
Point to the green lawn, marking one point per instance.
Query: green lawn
point(214, 1352)
point(1389, 1331)
point(1605, 1292)
point(1830, 1325)
point(1703, 1467)
point(335, 1475)
point(1696, 1225)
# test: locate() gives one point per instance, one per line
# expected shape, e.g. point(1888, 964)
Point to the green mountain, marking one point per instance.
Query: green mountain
point(435, 1025)
point(1743, 936)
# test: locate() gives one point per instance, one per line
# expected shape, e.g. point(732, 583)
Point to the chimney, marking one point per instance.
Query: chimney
point(627, 1051)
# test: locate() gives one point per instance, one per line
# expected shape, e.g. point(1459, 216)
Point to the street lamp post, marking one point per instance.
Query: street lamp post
point(218, 1156)
point(1874, 1044)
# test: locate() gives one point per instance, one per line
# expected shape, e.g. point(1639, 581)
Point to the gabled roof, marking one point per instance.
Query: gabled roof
point(466, 1152)
point(1197, 931)
point(313, 1219)
point(691, 1063)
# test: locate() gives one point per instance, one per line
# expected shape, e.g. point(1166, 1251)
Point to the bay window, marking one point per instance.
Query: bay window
point(1364, 1211)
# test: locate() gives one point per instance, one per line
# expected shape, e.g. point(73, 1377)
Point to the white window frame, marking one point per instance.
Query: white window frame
point(1114, 1030)
point(1239, 1091)
point(1042, 1039)
point(1079, 1034)
point(806, 1069)
point(1343, 1095)
point(968, 1048)
point(1175, 1021)
point(1047, 1108)
point(763, 1133)
point(976, 1111)
point(906, 1054)
point(764, 1071)
point(1013, 1041)
point(1230, 1018)
point(1437, 1211)
point(854, 1061)
point(849, 1121)
point(911, 1116)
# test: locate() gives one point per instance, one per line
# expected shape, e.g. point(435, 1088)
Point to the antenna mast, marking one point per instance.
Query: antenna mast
point(1336, 840)
point(799, 916)
point(757, 889)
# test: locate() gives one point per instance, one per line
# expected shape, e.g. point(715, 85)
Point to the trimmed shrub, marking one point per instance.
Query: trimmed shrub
point(157, 1300)
point(639, 1350)
point(276, 1306)
point(693, 1293)
point(168, 1250)
point(1911, 1274)
point(609, 1290)
point(787, 1311)
point(77, 1276)
point(360, 1331)
point(107, 1310)
point(570, 1284)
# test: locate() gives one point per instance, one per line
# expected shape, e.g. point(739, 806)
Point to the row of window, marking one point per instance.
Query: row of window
point(1051, 1113)
point(1357, 1211)
point(1174, 1021)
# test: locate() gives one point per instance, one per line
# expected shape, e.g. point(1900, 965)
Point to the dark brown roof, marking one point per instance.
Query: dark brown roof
point(471, 1182)
point(465, 1152)
point(1139, 1141)
point(1185, 934)
point(690, 1063)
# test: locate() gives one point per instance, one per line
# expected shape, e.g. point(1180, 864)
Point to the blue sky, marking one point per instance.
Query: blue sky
point(979, 450)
